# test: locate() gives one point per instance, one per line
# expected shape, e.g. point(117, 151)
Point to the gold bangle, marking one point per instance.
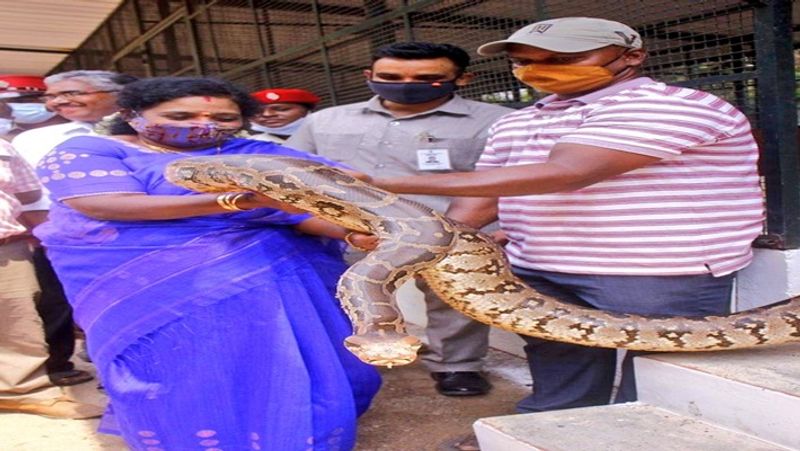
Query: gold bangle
point(228, 201)
point(236, 198)
point(221, 201)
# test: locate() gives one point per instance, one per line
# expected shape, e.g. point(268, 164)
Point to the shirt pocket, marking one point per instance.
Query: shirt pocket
point(464, 153)
point(338, 146)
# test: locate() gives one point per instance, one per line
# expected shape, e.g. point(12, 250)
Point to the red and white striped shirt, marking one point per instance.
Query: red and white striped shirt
point(697, 210)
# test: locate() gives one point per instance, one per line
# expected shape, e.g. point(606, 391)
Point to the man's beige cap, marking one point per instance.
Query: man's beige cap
point(568, 35)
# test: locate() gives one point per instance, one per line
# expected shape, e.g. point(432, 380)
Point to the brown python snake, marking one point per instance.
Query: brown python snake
point(463, 266)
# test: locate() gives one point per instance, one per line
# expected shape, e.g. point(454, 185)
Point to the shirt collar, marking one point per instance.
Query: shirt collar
point(599, 94)
point(78, 127)
point(457, 106)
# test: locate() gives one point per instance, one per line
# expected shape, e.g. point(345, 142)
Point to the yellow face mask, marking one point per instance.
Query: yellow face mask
point(563, 78)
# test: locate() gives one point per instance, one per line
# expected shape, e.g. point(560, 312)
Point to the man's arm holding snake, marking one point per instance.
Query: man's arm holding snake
point(474, 212)
point(570, 167)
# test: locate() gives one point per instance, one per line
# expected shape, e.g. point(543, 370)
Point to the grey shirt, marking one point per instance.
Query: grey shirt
point(366, 137)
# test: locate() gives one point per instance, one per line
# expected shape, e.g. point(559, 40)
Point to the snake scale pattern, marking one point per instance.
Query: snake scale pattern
point(462, 265)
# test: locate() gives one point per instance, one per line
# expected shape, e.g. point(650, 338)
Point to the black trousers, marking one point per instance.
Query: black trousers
point(56, 314)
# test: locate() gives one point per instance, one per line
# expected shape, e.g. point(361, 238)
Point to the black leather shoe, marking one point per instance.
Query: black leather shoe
point(461, 383)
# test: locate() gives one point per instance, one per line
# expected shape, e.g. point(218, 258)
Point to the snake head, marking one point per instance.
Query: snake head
point(384, 350)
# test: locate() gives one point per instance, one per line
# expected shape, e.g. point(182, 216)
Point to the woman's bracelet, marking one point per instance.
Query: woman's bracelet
point(228, 201)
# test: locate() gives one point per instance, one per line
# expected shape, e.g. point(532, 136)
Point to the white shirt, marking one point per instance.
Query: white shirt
point(268, 137)
point(35, 144)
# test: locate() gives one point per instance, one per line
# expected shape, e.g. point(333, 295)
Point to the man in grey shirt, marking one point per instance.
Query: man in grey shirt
point(416, 124)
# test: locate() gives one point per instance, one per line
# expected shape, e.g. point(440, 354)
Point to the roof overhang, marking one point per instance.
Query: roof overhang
point(35, 35)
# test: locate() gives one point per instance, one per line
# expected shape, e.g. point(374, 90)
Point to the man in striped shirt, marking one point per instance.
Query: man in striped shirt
point(616, 192)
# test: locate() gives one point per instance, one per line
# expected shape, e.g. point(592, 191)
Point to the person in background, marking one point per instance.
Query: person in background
point(282, 112)
point(616, 192)
point(23, 94)
point(211, 318)
point(24, 383)
point(23, 106)
point(416, 124)
point(81, 98)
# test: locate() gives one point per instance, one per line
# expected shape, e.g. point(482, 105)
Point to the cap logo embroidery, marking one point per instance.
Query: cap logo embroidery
point(628, 39)
point(541, 28)
point(272, 96)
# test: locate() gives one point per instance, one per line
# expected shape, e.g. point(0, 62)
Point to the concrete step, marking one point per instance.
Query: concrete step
point(621, 427)
point(756, 392)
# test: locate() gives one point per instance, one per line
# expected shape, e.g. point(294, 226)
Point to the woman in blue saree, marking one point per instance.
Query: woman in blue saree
point(211, 319)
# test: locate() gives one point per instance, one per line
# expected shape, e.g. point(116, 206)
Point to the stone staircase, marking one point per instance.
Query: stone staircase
point(734, 400)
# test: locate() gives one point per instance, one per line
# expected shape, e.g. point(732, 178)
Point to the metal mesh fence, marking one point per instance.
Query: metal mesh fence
point(324, 46)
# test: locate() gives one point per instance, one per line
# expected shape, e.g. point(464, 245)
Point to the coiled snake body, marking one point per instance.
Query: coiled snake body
point(463, 266)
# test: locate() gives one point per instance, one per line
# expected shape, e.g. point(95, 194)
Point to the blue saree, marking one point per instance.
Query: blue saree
point(209, 333)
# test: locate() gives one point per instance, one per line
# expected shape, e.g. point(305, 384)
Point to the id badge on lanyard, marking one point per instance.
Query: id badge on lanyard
point(430, 157)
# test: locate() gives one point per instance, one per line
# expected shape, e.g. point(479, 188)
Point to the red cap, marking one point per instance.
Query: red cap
point(21, 84)
point(286, 96)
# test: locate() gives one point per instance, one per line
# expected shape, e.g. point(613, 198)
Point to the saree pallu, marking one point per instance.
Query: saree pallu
point(229, 341)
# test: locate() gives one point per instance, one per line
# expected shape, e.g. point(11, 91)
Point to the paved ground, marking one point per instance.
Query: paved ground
point(407, 415)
